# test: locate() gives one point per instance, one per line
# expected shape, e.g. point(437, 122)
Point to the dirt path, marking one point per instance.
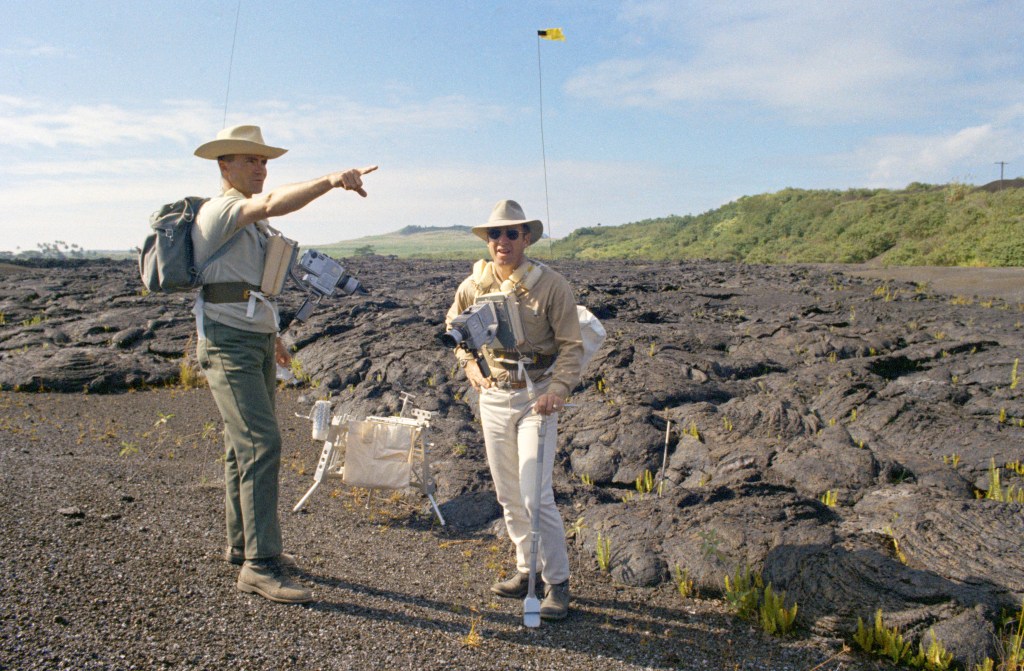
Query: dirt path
point(1004, 283)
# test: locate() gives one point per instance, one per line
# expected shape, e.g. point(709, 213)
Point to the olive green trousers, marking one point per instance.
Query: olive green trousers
point(241, 371)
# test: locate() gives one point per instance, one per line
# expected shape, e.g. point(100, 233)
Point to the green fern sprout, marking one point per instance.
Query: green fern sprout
point(775, 618)
point(645, 482)
point(881, 641)
point(829, 498)
point(604, 552)
point(743, 593)
point(684, 583)
point(933, 658)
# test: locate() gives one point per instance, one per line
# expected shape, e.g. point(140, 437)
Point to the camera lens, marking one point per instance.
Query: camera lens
point(451, 339)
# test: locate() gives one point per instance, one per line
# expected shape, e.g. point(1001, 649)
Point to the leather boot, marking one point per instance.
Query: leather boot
point(270, 580)
point(555, 605)
point(516, 587)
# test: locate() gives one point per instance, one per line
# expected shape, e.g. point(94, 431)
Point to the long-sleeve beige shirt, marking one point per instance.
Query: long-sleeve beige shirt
point(550, 323)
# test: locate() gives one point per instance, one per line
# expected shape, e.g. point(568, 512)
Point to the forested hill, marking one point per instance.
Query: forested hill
point(923, 224)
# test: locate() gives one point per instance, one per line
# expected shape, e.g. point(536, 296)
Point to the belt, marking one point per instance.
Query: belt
point(509, 384)
point(540, 362)
point(228, 292)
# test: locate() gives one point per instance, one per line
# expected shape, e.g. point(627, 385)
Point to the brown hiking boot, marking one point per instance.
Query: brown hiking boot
point(236, 556)
point(515, 587)
point(270, 579)
point(555, 605)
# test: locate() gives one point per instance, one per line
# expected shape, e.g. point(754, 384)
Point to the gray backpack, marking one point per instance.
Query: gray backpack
point(167, 260)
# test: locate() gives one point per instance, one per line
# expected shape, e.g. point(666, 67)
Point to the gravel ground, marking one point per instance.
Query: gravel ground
point(111, 559)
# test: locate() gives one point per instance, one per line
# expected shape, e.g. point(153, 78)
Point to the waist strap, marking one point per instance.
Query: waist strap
point(540, 361)
point(228, 292)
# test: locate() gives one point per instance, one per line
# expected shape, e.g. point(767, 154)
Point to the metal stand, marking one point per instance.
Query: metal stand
point(331, 463)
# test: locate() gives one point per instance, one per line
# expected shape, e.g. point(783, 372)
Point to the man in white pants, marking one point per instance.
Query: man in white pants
point(519, 402)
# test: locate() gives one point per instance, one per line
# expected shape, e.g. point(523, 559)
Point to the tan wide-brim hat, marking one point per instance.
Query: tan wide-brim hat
point(509, 213)
point(238, 140)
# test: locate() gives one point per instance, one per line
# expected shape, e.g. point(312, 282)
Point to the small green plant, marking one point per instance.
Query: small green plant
point(300, 373)
point(829, 498)
point(727, 424)
point(653, 349)
point(743, 592)
point(891, 534)
point(1002, 415)
point(34, 321)
point(853, 415)
point(209, 430)
point(995, 491)
point(1014, 380)
point(952, 460)
point(775, 619)
point(587, 480)
point(601, 385)
point(627, 497)
point(694, 431)
point(684, 583)
point(1013, 643)
point(645, 482)
point(881, 641)
point(163, 418)
point(128, 449)
point(473, 639)
point(709, 543)
point(934, 657)
point(460, 449)
point(575, 530)
point(604, 552)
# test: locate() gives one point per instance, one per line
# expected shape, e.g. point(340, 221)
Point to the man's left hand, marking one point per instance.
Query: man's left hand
point(281, 354)
point(548, 404)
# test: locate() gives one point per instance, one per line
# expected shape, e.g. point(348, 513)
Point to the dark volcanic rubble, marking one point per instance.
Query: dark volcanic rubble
point(774, 386)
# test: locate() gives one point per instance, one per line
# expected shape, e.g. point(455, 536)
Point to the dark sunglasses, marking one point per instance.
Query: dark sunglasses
point(510, 233)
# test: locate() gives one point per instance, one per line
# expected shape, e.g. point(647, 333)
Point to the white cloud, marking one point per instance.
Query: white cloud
point(813, 62)
point(966, 155)
point(32, 49)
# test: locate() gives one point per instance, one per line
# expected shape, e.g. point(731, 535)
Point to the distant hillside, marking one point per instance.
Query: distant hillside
point(924, 224)
point(921, 225)
point(451, 242)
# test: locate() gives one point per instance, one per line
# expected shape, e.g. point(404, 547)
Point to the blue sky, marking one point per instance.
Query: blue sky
point(650, 107)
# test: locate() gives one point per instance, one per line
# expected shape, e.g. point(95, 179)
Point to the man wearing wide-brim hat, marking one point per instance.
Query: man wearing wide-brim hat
point(239, 348)
point(520, 401)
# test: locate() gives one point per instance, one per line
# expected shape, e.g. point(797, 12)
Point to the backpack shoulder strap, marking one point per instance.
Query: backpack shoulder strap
point(526, 276)
point(221, 251)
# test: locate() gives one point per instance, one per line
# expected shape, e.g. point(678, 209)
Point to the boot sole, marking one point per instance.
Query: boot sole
point(507, 595)
point(252, 589)
point(553, 616)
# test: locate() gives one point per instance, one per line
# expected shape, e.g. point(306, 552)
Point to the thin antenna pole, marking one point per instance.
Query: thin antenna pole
point(231, 63)
point(543, 153)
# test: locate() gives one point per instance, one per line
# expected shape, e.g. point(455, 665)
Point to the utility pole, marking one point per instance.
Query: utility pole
point(1001, 164)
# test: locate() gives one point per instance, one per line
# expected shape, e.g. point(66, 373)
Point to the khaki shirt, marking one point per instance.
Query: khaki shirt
point(550, 322)
point(243, 262)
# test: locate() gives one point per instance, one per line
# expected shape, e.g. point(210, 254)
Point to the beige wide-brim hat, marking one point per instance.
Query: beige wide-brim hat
point(238, 140)
point(509, 213)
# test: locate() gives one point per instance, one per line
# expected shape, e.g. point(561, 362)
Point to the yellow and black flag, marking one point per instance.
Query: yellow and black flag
point(554, 34)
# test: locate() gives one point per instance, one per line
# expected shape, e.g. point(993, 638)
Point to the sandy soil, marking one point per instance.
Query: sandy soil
point(110, 558)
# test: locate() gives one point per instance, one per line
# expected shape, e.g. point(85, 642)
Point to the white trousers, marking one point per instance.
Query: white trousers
point(512, 433)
